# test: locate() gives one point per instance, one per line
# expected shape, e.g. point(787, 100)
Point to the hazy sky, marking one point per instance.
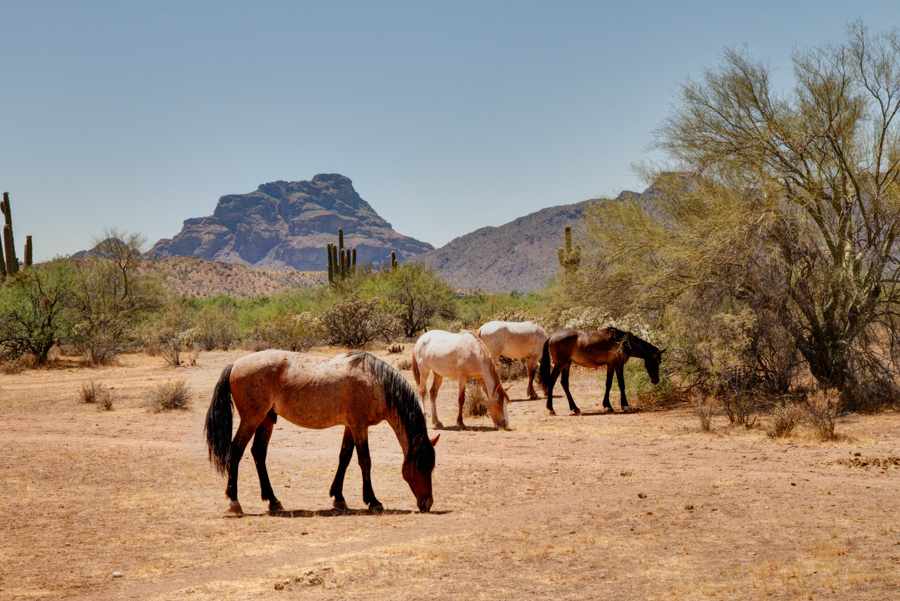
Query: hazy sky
point(447, 116)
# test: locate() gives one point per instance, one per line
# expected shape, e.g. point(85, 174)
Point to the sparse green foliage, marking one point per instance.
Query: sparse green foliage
point(354, 322)
point(290, 331)
point(784, 418)
point(785, 208)
point(35, 310)
point(414, 294)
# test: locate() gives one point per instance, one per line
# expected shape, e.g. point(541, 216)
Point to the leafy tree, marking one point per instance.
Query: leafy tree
point(414, 294)
point(112, 294)
point(785, 203)
point(35, 309)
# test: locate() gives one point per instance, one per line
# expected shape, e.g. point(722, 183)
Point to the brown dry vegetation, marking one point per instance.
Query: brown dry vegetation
point(203, 278)
point(638, 506)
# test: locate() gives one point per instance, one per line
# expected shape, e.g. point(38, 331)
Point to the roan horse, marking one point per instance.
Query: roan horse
point(592, 348)
point(460, 357)
point(354, 390)
point(515, 340)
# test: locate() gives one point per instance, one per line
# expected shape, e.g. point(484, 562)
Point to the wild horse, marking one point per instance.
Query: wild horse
point(354, 390)
point(515, 340)
point(461, 357)
point(592, 348)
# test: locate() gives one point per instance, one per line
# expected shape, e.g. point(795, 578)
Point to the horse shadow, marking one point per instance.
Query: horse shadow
point(456, 428)
point(329, 513)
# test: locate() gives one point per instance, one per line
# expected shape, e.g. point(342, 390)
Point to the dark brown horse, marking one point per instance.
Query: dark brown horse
point(592, 348)
point(354, 390)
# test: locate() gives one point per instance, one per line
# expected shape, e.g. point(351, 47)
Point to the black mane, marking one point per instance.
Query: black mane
point(398, 394)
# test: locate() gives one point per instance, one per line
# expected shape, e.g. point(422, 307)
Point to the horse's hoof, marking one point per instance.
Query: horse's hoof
point(438, 426)
point(608, 410)
point(551, 412)
point(340, 505)
point(576, 412)
point(376, 508)
point(235, 508)
point(533, 397)
point(275, 508)
point(629, 409)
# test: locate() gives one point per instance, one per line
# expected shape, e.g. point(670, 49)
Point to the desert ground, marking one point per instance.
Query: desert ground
point(123, 504)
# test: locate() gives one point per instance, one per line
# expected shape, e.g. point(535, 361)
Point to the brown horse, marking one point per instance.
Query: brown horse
point(592, 348)
point(354, 390)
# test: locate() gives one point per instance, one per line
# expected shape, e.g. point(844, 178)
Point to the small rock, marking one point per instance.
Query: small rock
point(117, 574)
point(641, 495)
point(279, 586)
point(689, 507)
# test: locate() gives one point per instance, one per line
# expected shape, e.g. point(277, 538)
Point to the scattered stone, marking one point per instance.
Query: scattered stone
point(279, 586)
point(117, 574)
point(689, 507)
point(641, 495)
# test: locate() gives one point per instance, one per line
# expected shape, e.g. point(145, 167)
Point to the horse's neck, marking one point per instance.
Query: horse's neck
point(639, 348)
point(398, 425)
point(489, 375)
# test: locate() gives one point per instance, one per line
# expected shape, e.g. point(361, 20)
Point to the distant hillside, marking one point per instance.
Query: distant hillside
point(520, 255)
point(202, 278)
point(287, 225)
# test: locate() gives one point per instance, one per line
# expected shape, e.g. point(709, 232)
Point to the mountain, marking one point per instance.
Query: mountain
point(287, 225)
point(520, 255)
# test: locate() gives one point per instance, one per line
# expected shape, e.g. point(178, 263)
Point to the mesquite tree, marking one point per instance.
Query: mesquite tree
point(786, 203)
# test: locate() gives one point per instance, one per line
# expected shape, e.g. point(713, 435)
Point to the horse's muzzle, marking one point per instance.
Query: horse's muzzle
point(425, 504)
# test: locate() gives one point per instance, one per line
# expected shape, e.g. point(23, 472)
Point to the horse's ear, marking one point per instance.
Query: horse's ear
point(434, 440)
point(417, 442)
point(508, 387)
point(661, 352)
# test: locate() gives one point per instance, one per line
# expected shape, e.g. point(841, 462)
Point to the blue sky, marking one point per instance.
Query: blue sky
point(447, 116)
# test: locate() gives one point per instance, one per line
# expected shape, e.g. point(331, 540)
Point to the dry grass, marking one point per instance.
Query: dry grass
point(564, 507)
point(97, 394)
point(476, 401)
point(170, 396)
point(822, 409)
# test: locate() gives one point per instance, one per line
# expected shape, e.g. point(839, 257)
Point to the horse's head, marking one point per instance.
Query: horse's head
point(651, 362)
point(497, 406)
point(417, 467)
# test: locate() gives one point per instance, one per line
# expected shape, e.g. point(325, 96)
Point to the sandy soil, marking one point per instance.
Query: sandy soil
point(638, 506)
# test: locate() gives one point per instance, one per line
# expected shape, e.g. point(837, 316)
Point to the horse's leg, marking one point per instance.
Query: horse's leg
point(462, 401)
point(620, 378)
point(609, 379)
point(553, 375)
point(238, 445)
point(365, 464)
point(259, 450)
point(435, 386)
point(337, 487)
point(564, 380)
point(531, 365)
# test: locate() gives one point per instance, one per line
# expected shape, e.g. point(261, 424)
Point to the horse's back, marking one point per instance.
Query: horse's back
point(515, 339)
point(450, 354)
point(307, 390)
point(589, 348)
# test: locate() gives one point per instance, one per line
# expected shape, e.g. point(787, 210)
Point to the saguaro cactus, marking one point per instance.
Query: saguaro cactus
point(27, 251)
point(569, 258)
point(341, 261)
point(393, 260)
point(9, 248)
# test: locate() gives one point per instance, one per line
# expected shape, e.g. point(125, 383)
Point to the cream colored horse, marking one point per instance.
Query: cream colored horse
point(460, 357)
point(515, 340)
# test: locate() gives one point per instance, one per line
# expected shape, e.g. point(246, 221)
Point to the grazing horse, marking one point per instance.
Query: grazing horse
point(592, 348)
point(515, 340)
point(460, 357)
point(354, 390)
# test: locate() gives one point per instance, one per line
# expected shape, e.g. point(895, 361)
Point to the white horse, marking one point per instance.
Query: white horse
point(460, 357)
point(515, 340)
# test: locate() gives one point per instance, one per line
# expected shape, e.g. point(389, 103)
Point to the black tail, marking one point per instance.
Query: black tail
point(545, 367)
point(218, 423)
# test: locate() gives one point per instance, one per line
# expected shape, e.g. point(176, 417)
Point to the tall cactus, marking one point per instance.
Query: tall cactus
point(393, 260)
point(569, 258)
point(341, 261)
point(12, 264)
point(28, 251)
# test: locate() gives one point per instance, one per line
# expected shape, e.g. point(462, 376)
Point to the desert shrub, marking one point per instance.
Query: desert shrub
point(784, 418)
point(290, 332)
point(706, 408)
point(395, 348)
point(413, 293)
point(476, 401)
point(404, 363)
point(740, 407)
point(354, 322)
point(217, 326)
point(511, 369)
point(823, 407)
point(180, 348)
point(171, 395)
point(97, 394)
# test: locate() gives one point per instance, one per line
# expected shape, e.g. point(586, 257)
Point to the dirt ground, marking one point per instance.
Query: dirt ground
point(123, 504)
